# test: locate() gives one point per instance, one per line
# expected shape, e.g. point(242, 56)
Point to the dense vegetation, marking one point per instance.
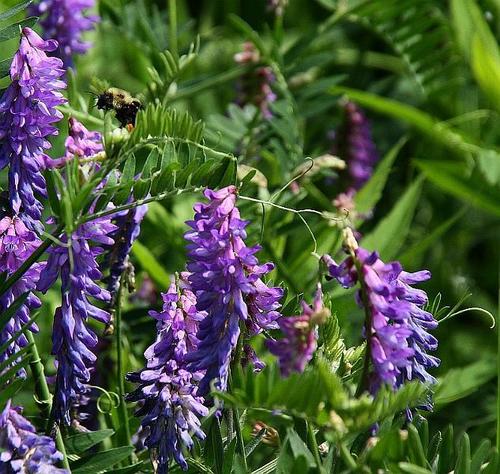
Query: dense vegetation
point(249, 236)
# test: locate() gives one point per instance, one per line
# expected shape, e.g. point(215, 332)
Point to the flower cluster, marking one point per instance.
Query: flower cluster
point(80, 143)
point(226, 279)
point(354, 144)
point(255, 86)
point(167, 392)
point(73, 341)
point(22, 449)
point(297, 347)
point(65, 21)
point(396, 326)
point(27, 113)
point(17, 243)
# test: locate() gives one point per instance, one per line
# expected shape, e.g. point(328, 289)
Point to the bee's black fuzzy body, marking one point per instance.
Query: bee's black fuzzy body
point(124, 105)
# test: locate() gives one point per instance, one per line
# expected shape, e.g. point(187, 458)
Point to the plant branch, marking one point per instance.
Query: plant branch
point(44, 397)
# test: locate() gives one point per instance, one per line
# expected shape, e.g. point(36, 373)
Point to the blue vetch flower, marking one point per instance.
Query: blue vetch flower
point(167, 393)
point(27, 114)
point(296, 348)
point(397, 325)
point(72, 339)
point(17, 243)
point(226, 277)
point(66, 21)
point(22, 450)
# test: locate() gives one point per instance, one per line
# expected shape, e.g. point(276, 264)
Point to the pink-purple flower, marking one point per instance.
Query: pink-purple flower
point(226, 278)
point(27, 114)
point(396, 328)
point(168, 394)
point(17, 243)
point(296, 348)
point(66, 21)
point(22, 449)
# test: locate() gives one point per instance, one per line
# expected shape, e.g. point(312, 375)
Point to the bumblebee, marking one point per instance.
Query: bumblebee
point(124, 105)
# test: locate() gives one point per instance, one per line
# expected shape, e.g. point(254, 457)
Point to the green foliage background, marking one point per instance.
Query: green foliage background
point(427, 72)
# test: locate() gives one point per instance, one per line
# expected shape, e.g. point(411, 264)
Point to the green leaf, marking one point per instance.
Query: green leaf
point(10, 390)
point(137, 467)
point(213, 452)
point(428, 125)
point(227, 466)
point(5, 67)
point(80, 442)
point(368, 196)
point(151, 265)
point(480, 455)
point(461, 382)
point(12, 310)
point(12, 31)
point(14, 10)
point(462, 466)
point(454, 179)
point(299, 448)
point(96, 462)
point(390, 233)
point(412, 469)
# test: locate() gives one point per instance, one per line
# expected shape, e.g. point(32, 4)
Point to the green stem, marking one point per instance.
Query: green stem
point(44, 398)
point(172, 27)
point(239, 438)
point(347, 457)
point(313, 445)
point(120, 376)
point(30, 261)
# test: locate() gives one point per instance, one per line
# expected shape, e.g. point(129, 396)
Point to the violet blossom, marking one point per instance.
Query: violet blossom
point(17, 243)
point(167, 393)
point(27, 114)
point(296, 348)
point(66, 21)
point(354, 144)
point(73, 341)
point(396, 326)
point(255, 87)
point(227, 280)
point(22, 450)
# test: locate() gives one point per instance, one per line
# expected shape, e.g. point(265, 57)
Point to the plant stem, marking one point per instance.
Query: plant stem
point(239, 435)
point(313, 445)
point(120, 376)
point(347, 457)
point(44, 401)
point(172, 27)
point(30, 261)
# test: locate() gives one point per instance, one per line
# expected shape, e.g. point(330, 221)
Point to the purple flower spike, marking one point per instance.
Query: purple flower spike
point(226, 279)
point(255, 86)
point(72, 340)
point(22, 449)
point(297, 346)
point(167, 391)
point(27, 113)
point(17, 243)
point(354, 144)
point(397, 330)
point(65, 21)
point(80, 143)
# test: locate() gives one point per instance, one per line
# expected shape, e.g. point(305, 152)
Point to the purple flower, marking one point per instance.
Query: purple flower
point(17, 243)
point(296, 348)
point(22, 449)
point(226, 279)
point(255, 86)
point(354, 144)
point(73, 341)
point(397, 326)
point(27, 113)
point(128, 225)
point(80, 143)
point(65, 21)
point(167, 391)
